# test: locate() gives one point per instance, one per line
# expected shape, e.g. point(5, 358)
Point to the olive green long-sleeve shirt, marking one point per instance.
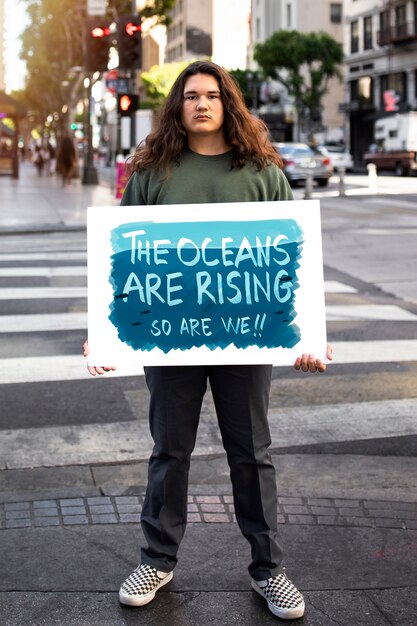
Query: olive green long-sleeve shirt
point(202, 178)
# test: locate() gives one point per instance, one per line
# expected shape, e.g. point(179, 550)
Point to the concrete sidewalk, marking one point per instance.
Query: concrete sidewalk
point(70, 535)
point(35, 203)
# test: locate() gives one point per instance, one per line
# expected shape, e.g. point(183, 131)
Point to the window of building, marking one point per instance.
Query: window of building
point(336, 12)
point(258, 29)
point(384, 20)
point(289, 16)
point(394, 82)
point(400, 14)
point(384, 34)
point(362, 91)
point(354, 36)
point(367, 33)
point(400, 21)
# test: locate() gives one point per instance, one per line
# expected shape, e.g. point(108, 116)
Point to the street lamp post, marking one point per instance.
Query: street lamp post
point(90, 174)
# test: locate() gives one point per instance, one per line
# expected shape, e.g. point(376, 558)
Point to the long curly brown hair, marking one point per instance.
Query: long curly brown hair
point(246, 134)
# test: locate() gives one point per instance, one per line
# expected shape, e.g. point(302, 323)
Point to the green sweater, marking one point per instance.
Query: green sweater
point(201, 178)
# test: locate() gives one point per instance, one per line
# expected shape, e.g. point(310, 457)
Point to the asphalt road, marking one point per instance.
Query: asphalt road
point(355, 429)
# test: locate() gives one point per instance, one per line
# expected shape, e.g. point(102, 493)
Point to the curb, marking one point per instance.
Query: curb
point(41, 229)
point(123, 509)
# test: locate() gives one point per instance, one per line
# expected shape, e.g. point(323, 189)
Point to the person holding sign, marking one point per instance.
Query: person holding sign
point(208, 148)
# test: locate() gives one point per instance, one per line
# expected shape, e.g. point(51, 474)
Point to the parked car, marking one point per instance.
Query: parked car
point(300, 160)
point(339, 156)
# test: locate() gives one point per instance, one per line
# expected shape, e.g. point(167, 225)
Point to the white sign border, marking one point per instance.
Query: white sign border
point(107, 349)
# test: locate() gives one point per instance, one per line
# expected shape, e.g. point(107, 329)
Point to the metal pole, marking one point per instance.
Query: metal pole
point(90, 174)
point(342, 190)
point(372, 178)
point(309, 186)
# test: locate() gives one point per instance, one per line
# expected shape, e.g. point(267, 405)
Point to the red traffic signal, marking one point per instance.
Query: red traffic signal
point(132, 28)
point(129, 42)
point(127, 103)
point(97, 45)
point(99, 31)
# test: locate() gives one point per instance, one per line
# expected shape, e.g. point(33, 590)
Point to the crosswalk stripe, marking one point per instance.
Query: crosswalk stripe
point(36, 293)
point(344, 422)
point(384, 351)
point(47, 272)
point(330, 286)
point(334, 286)
point(44, 322)
point(44, 256)
point(131, 440)
point(358, 312)
point(53, 368)
point(73, 367)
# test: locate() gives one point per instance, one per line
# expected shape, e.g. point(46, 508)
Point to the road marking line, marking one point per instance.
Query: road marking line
point(331, 286)
point(130, 440)
point(43, 322)
point(44, 256)
point(35, 293)
point(352, 421)
point(358, 312)
point(73, 367)
point(384, 351)
point(54, 368)
point(48, 272)
point(78, 320)
point(334, 286)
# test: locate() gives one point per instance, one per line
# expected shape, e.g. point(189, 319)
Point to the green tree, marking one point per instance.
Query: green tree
point(304, 63)
point(159, 80)
point(53, 43)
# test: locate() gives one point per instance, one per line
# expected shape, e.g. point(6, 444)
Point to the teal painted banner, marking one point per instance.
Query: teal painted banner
point(215, 284)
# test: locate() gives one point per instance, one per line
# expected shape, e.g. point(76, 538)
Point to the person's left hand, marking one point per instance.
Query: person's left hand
point(308, 362)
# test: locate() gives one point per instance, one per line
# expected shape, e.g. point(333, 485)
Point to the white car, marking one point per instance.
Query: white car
point(339, 156)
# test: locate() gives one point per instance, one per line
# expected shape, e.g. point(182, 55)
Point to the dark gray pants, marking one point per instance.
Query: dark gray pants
point(241, 395)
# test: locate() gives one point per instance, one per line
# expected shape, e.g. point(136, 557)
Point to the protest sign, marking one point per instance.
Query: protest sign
point(205, 283)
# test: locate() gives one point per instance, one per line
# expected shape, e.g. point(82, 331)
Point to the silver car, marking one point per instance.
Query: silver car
point(339, 156)
point(300, 161)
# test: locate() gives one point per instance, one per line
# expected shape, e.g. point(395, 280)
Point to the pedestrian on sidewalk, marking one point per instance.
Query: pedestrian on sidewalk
point(51, 163)
point(66, 160)
point(38, 160)
point(207, 147)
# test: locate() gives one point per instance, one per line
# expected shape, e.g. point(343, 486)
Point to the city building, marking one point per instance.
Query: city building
point(270, 16)
point(2, 45)
point(381, 65)
point(216, 29)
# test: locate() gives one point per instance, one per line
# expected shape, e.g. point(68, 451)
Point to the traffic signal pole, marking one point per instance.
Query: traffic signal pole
point(96, 60)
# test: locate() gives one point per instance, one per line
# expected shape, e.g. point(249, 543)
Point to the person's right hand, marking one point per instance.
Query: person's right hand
point(94, 370)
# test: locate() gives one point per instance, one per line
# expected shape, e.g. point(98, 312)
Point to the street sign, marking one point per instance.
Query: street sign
point(117, 85)
point(96, 7)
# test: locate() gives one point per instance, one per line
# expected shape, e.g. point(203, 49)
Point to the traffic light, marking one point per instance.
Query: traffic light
point(129, 39)
point(97, 45)
point(127, 103)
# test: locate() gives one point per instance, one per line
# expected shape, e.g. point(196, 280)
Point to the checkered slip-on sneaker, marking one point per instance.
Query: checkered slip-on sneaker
point(284, 599)
point(141, 586)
